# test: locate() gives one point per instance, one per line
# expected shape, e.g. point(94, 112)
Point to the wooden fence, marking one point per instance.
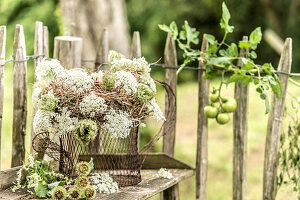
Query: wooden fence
point(68, 50)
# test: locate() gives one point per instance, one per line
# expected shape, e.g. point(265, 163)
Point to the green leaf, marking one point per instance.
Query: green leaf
point(191, 33)
point(267, 105)
point(41, 190)
point(212, 48)
point(244, 44)
point(253, 55)
point(233, 50)
point(235, 78)
point(247, 66)
point(174, 30)
point(244, 60)
point(91, 164)
point(210, 38)
point(255, 37)
point(164, 27)
point(219, 60)
point(247, 80)
point(225, 13)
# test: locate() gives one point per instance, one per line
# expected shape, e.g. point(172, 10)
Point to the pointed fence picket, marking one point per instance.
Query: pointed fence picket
point(68, 50)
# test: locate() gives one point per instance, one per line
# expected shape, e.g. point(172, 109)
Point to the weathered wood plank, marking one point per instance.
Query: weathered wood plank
point(102, 52)
point(20, 97)
point(38, 42)
point(170, 59)
point(274, 126)
point(46, 41)
point(2, 62)
point(202, 130)
point(149, 186)
point(136, 50)
point(240, 129)
point(8, 177)
point(152, 161)
point(68, 51)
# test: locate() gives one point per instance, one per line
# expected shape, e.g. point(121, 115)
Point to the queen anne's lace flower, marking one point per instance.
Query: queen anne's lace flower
point(48, 69)
point(48, 102)
point(78, 81)
point(42, 121)
point(155, 110)
point(127, 81)
point(63, 123)
point(92, 105)
point(97, 76)
point(113, 55)
point(118, 124)
point(163, 173)
point(103, 183)
point(36, 96)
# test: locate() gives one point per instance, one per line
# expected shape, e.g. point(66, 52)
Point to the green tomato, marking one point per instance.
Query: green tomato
point(214, 97)
point(223, 118)
point(229, 104)
point(210, 111)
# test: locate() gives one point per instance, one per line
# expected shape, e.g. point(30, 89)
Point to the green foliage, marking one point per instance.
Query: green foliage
point(221, 58)
point(289, 152)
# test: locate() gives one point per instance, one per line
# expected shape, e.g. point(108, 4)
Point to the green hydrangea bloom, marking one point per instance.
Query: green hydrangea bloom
point(89, 192)
point(82, 182)
point(74, 193)
point(48, 102)
point(144, 93)
point(83, 168)
point(85, 131)
point(59, 193)
point(108, 82)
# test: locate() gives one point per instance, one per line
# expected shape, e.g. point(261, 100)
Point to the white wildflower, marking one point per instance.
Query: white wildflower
point(138, 64)
point(48, 69)
point(97, 76)
point(42, 121)
point(298, 99)
point(155, 110)
point(118, 124)
point(36, 96)
point(92, 105)
point(113, 55)
point(164, 173)
point(63, 123)
point(127, 81)
point(103, 183)
point(78, 81)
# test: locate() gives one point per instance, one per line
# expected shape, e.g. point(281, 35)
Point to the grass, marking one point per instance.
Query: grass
point(220, 144)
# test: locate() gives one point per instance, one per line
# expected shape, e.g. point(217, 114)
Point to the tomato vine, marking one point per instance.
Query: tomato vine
point(222, 57)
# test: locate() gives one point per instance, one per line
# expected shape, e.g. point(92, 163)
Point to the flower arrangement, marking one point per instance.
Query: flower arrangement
point(79, 103)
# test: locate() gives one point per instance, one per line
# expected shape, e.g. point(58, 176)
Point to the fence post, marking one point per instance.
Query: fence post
point(240, 129)
point(136, 50)
point(20, 97)
point(274, 126)
point(170, 59)
point(2, 62)
point(202, 130)
point(67, 50)
point(46, 41)
point(102, 52)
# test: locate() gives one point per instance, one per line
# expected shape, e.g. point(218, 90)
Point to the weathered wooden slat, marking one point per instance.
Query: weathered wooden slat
point(202, 130)
point(20, 97)
point(152, 161)
point(240, 129)
point(170, 59)
point(46, 41)
point(38, 42)
point(136, 50)
point(2, 62)
point(150, 186)
point(8, 177)
point(274, 126)
point(68, 51)
point(102, 52)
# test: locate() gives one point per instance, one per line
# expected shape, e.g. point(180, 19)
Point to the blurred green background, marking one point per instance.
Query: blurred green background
point(282, 16)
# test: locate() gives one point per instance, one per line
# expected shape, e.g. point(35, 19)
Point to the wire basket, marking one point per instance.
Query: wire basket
point(119, 157)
